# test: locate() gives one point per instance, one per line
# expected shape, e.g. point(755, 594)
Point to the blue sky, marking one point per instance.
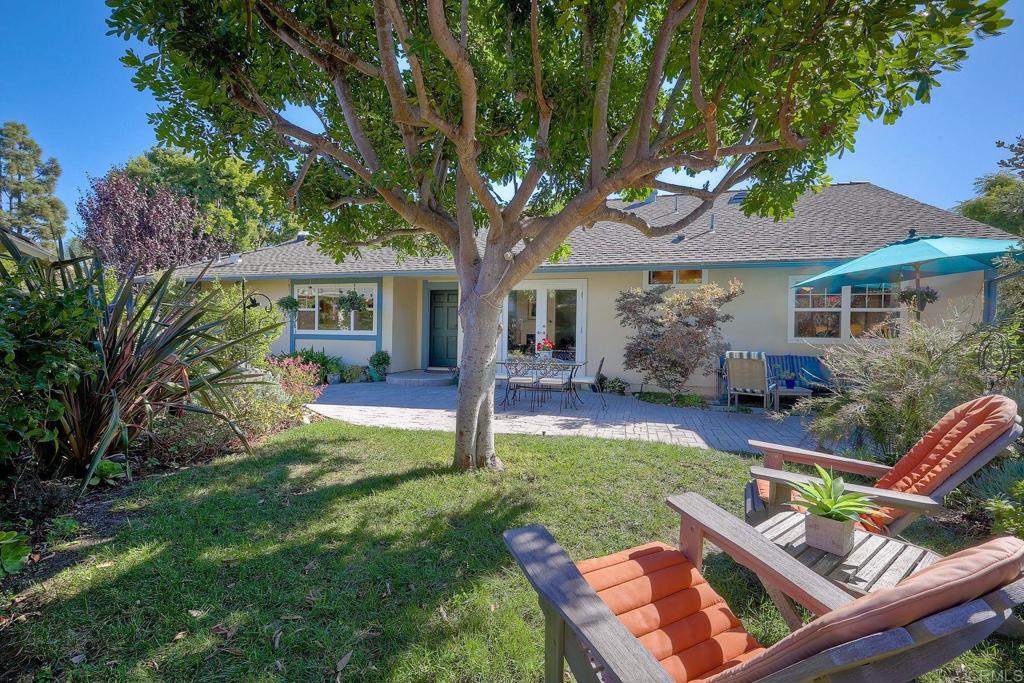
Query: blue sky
point(62, 78)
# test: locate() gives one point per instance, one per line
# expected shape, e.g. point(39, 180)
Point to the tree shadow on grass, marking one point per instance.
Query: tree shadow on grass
point(272, 567)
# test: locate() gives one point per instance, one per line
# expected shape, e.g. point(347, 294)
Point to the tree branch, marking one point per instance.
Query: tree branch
point(674, 15)
point(411, 212)
point(599, 152)
point(354, 124)
point(535, 172)
point(293, 191)
point(667, 116)
point(333, 49)
point(352, 201)
point(387, 236)
point(458, 57)
point(709, 110)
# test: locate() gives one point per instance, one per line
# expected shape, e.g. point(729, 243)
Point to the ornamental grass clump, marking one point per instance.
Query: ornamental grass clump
point(888, 390)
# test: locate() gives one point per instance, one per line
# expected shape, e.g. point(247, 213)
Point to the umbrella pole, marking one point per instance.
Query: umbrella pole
point(917, 286)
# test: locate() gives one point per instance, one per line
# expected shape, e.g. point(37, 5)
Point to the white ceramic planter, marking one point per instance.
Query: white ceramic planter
point(334, 378)
point(828, 534)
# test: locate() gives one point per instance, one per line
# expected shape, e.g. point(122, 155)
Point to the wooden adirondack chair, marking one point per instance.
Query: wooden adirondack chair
point(646, 615)
point(964, 440)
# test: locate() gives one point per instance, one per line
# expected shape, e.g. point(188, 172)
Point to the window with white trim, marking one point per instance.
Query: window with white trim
point(872, 306)
point(683, 277)
point(819, 314)
point(320, 309)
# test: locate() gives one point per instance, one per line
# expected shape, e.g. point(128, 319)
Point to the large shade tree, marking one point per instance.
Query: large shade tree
point(493, 129)
point(27, 183)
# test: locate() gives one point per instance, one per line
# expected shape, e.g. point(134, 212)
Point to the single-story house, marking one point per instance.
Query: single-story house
point(413, 302)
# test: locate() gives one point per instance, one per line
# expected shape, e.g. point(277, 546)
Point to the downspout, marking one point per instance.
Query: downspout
point(991, 296)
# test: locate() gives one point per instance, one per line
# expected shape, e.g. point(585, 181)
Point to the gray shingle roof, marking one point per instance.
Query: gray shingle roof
point(841, 222)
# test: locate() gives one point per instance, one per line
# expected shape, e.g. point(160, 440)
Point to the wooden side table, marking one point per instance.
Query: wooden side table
point(782, 392)
point(875, 562)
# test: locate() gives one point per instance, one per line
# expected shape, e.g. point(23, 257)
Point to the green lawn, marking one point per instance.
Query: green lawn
point(335, 539)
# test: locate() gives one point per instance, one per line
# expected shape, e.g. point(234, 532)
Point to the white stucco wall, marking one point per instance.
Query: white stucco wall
point(760, 315)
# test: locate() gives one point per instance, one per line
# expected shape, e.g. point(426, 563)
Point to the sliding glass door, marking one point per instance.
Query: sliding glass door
point(553, 310)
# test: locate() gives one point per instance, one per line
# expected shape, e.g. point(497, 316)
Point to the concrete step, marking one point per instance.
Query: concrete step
point(421, 378)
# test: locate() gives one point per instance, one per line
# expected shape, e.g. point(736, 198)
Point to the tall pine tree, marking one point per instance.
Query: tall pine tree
point(27, 203)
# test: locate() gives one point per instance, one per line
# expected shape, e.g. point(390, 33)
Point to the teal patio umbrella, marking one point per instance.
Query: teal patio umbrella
point(915, 258)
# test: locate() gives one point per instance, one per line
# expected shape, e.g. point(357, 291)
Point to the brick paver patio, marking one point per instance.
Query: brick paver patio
point(405, 407)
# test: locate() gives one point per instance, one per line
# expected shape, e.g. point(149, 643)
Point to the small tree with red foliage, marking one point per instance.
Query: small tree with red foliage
point(677, 332)
point(127, 225)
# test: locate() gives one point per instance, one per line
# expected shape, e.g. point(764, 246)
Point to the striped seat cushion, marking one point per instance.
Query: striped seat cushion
point(664, 601)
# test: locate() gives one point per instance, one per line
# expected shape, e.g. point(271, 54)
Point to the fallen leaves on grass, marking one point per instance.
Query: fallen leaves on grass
point(222, 630)
point(342, 663)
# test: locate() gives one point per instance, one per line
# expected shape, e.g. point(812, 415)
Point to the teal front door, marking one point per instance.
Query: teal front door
point(444, 328)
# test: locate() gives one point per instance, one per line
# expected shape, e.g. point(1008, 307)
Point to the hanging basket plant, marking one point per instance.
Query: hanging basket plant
point(290, 305)
point(918, 297)
point(352, 301)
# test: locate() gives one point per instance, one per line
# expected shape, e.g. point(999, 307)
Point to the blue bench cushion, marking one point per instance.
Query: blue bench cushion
point(809, 370)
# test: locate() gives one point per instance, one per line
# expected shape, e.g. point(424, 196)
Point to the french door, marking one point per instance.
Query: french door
point(552, 309)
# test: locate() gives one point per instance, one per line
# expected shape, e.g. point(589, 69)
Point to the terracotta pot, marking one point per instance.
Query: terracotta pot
point(829, 535)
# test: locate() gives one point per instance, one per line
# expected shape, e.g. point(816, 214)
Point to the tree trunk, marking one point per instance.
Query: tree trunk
point(474, 420)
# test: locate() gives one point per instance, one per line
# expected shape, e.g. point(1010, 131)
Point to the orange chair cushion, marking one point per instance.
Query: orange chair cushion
point(664, 601)
point(961, 434)
point(951, 581)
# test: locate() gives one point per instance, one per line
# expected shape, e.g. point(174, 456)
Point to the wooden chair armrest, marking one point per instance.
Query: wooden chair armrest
point(896, 499)
point(562, 588)
point(701, 519)
point(805, 457)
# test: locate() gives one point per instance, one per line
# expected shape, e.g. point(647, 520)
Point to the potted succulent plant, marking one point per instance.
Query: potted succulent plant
point(832, 512)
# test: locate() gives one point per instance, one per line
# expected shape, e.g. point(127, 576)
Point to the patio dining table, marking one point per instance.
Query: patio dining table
point(538, 369)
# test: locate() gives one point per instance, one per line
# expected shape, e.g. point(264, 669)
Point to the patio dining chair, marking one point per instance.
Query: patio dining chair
point(521, 377)
point(961, 443)
point(556, 376)
point(648, 615)
point(747, 375)
point(593, 382)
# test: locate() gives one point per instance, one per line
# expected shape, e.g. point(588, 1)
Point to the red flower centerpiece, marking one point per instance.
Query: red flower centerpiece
point(544, 347)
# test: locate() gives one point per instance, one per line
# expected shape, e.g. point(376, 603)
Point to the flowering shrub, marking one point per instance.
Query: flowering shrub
point(298, 379)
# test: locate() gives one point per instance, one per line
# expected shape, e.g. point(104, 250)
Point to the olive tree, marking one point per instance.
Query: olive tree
point(491, 129)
